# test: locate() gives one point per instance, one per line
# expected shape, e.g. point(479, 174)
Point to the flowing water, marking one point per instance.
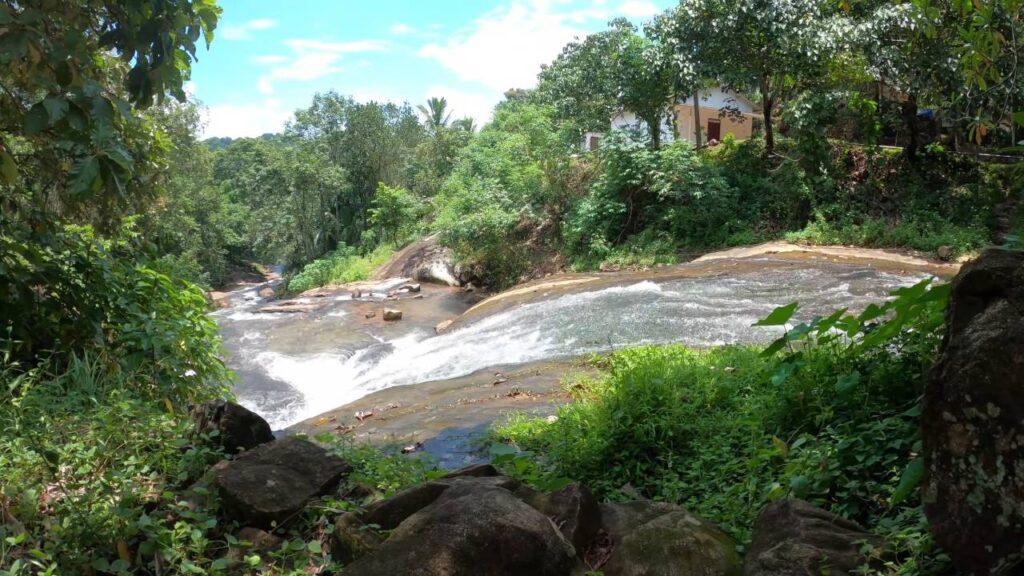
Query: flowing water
point(294, 366)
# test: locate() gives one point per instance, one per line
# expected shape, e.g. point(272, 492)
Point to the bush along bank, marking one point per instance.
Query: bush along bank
point(520, 199)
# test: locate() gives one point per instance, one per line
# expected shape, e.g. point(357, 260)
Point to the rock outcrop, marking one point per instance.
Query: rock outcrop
point(273, 482)
point(658, 539)
point(795, 538)
point(425, 261)
point(232, 426)
point(973, 420)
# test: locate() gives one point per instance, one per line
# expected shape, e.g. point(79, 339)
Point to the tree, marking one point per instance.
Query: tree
point(435, 114)
point(72, 72)
point(581, 84)
point(647, 80)
point(770, 46)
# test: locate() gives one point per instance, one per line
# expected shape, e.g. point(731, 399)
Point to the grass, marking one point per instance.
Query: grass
point(925, 234)
point(342, 266)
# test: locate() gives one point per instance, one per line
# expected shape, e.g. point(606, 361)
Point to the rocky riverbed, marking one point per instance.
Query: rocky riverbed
point(316, 361)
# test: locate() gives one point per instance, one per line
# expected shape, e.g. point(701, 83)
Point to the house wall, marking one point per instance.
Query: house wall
point(629, 120)
point(717, 98)
point(741, 128)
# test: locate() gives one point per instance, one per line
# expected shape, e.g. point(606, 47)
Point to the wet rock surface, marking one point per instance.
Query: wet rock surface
point(273, 482)
point(795, 538)
point(973, 420)
point(231, 425)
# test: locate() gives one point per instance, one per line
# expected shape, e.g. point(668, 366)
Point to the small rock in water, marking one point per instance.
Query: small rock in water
point(356, 294)
point(371, 314)
point(442, 326)
point(391, 314)
point(944, 252)
point(410, 288)
point(266, 292)
point(412, 448)
point(469, 287)
point(417, 297)
point(363, 414)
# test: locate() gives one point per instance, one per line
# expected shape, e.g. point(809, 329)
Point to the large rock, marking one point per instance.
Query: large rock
point(795, 538)
point(475, 529)
point(273, 482)
point(232, 426)
point(425, 261)
point(656, 539)
point(574, 510)
point(973, 420)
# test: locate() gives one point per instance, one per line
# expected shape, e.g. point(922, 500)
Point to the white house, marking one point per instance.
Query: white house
point(713, 125)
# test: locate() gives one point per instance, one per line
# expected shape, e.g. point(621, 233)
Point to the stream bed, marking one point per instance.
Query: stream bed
point(293, 366)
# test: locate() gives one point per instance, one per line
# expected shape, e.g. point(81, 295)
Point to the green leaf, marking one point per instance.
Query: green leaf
point(909, 480)
point(85, 176)
point(779, 316)
point(314, 547)
point(36, 120)
point(847, 382)
point(1018, 117)
point(56, 107)
point(8, 168)
point(775, 346)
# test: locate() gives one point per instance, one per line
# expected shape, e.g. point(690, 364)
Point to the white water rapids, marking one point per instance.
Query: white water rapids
point(294, 366)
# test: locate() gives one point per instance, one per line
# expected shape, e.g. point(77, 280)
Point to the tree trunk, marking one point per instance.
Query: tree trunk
point(654, 124)
point(696, 117)
point(908, 110)
point(767, 103)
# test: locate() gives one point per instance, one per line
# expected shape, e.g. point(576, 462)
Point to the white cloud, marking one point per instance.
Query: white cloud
point(505, 48)
point(401, 29)
point(311, 59)
point(270, 59)
point(638, 9)
point(246, 120)
point(244, 31)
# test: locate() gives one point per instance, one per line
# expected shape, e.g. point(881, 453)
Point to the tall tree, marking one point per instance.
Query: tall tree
point(769, 46)
point(647, 80)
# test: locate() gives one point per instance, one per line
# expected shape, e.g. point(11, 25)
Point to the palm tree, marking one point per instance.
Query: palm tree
point(467, 124)
point(435, 113)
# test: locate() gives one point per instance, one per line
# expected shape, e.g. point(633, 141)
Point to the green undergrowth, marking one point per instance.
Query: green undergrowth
point(345, 264)
point(725, 431)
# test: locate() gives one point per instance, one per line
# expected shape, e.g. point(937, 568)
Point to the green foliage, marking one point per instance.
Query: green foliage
point(344, 265)
point(66, 292)
point(396, 213)
point(503, 193)
point(719, 432)
point(70, 78)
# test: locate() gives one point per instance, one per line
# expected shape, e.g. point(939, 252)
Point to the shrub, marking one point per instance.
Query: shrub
point(396, 212)
point(725, 431)
point(344, 265)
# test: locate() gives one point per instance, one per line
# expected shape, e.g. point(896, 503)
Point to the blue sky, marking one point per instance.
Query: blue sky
point(270, 57)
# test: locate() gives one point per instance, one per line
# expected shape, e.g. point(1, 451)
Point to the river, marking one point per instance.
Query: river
point(292, 366)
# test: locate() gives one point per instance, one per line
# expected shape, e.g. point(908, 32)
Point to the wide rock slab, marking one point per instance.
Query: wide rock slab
point(796, 538)
point(273, 482)
point(472, 529)
point(973, 420)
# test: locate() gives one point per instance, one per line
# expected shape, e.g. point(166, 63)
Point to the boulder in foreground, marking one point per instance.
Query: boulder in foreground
point(658, 539)
point(795, 538)
point(273, 482)
point(973, 420)
point(472, 528)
